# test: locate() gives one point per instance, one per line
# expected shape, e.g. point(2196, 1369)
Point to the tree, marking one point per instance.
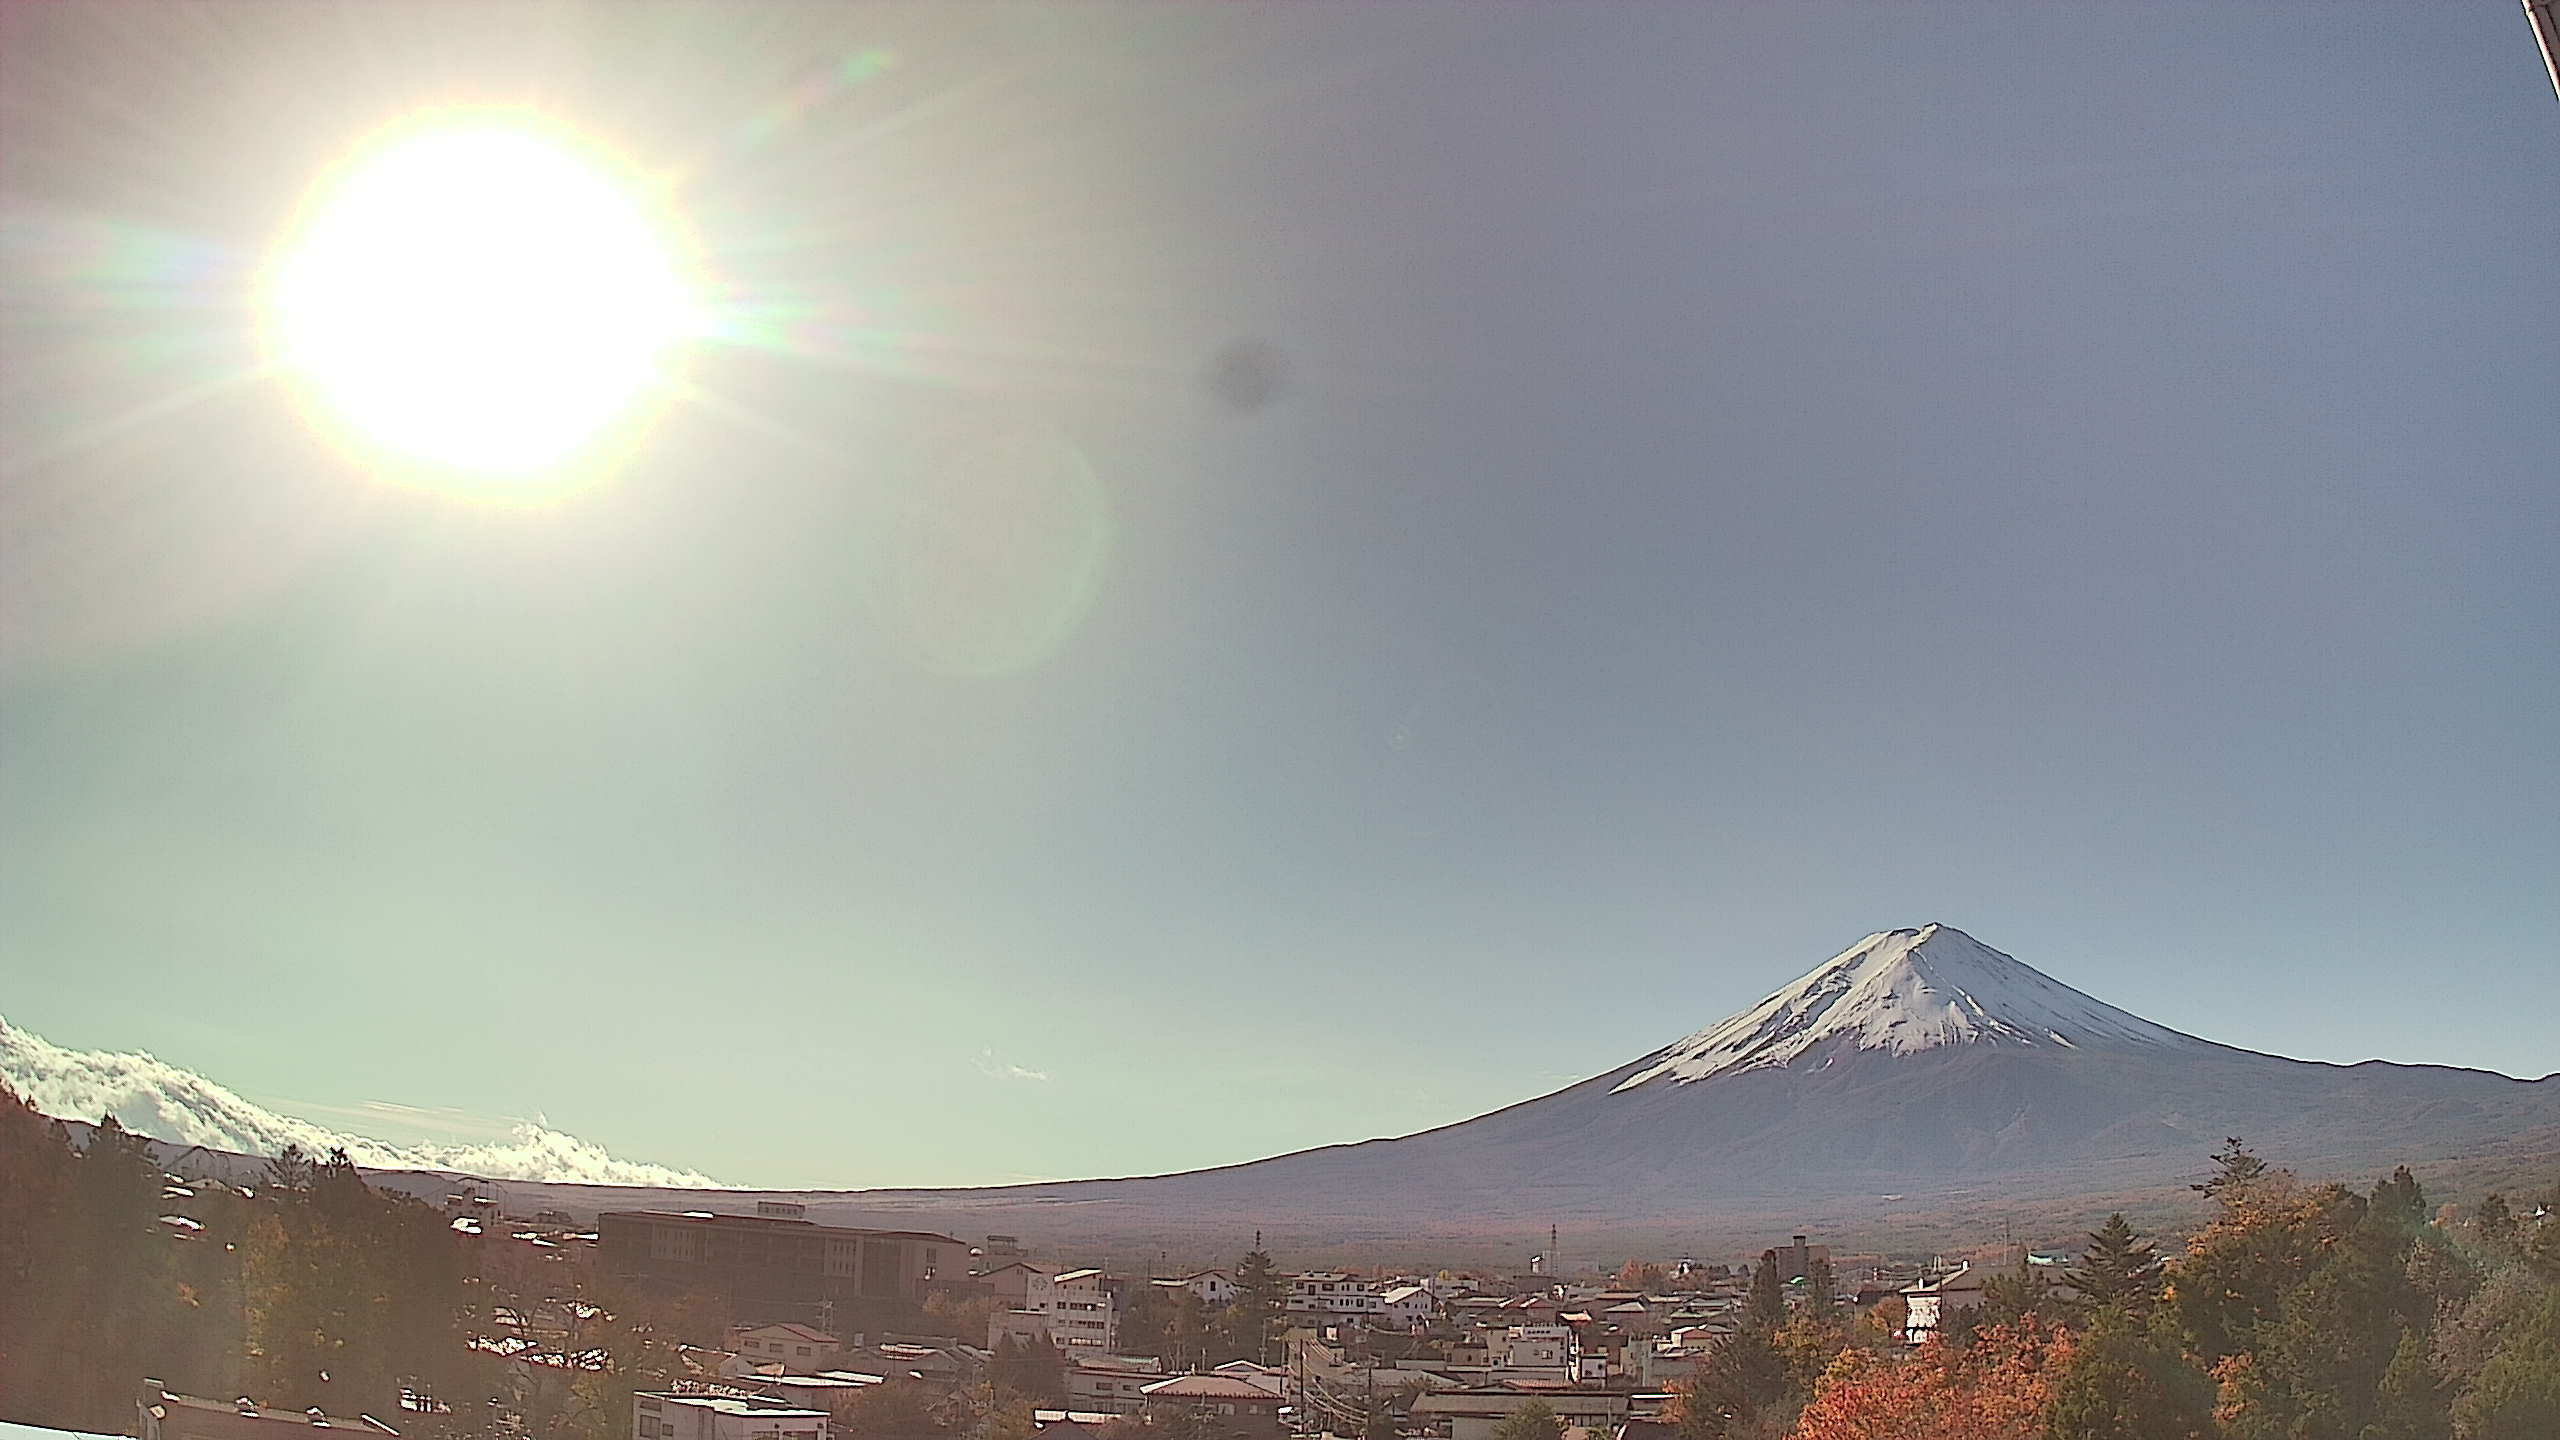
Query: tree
point(2516, 1395)
point(1031, 1368)
point(1997, 1388)
point(2117, 1271)
point(1743, 1375)
point(1821, 1286)
point(1255, 1315)
point(2236, 1169)
point(1640, 1276)
point(2013, 1295)
point(2129, 1380)
point(1767, 1304)
point(1531, 1420)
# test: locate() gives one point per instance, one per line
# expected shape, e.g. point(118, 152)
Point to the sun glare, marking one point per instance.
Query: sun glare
point(478, 304)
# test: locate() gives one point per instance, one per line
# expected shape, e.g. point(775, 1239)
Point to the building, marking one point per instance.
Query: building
point(164, 1415)
point(1212, 1287)
point(1080, 1310)
point(1010, 1282)
point(771, 1258)
point(1534, 1348)
point(1929, 1307)
point(1795, 1260)
point(1406, 1306)
point(1236, 1406)
point(1472, 1414)
point(794, 1347)
point(1327, 1293)
point(1111, 1384)
point(657, 1415)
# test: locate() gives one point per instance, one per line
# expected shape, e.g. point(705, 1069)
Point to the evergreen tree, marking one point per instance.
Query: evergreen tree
point(1260, 1301)
point(2410, 1403)
point(1767, 1305)
point(2516, 1395)
point(2236, 1169)
point(2117, 1271)
point(1741, 1377)
point(1821, 1286)
point(2129, 1380)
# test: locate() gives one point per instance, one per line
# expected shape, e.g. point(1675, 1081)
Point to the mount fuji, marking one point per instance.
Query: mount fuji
point(1917, 1078)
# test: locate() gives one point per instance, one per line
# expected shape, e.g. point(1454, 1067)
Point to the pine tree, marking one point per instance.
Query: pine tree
point(1821, 1286)
point(2128, 1380)
point(1767, 1305)
point(2236, 1169)
point(2117, 1271)
point(1258, 1306)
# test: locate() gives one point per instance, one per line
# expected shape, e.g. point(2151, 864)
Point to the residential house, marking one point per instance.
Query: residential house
point(162, 1414)
point(1935, 1304)
point(1238, 1407)
point(1111, 1384)
point(660, 1415)
point(792, 1346)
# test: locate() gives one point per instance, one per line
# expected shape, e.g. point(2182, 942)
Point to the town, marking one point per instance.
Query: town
point(833, 1333)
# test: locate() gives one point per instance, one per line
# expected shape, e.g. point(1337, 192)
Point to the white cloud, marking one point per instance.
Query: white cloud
point(166, 1102)
point(990, 1066)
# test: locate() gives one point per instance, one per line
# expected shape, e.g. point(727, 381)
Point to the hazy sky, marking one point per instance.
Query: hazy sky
point(1734, 478)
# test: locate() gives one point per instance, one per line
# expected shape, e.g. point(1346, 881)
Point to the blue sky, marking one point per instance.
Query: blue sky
point(1738, 478)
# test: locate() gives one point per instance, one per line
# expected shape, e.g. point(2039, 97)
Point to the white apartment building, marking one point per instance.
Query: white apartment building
point(1330, 1292)
point(657, 1415)
point(1079, 1312)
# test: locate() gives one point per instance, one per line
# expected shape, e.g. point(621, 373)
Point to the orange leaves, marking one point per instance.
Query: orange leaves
point(1994, 1389)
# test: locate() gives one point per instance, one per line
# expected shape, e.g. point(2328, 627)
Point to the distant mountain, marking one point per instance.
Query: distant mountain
point(161, 1100)
point(1917, 1078)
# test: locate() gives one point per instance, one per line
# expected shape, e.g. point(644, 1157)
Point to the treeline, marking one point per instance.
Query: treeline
point(306, 1289)
point(2298, 1312)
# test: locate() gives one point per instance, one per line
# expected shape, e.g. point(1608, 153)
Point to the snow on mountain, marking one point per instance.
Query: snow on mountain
point(1904, 991)
point(166, 1102)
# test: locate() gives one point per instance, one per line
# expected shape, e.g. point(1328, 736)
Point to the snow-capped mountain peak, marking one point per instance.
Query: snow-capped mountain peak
point(1905, 991)
point(166, 1102)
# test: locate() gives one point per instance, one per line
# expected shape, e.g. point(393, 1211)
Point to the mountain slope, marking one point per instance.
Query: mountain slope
point(167, 1102)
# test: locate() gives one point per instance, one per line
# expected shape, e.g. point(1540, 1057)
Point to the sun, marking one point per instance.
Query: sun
point(479, 303)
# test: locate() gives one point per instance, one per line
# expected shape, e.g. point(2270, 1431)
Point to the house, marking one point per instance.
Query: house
point(1534, 1348)
point(794, 1347)
point(1931, 1306)
point(1268, 1377)
point(1010, 1282)
point(659, 1415)
point(1406, 1306)
point(1111, 1384)
point(1237, 1406)
point(1331, 1292)
point(1472, 1414)
point(1212, 1287)
point(815, 1392)
point(164, 1415)
point(1068, 1424)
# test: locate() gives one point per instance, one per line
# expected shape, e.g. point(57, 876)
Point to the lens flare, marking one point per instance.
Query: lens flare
point(476, 303)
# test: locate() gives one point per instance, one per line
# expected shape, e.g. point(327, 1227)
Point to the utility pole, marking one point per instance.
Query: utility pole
point(2544, 17)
